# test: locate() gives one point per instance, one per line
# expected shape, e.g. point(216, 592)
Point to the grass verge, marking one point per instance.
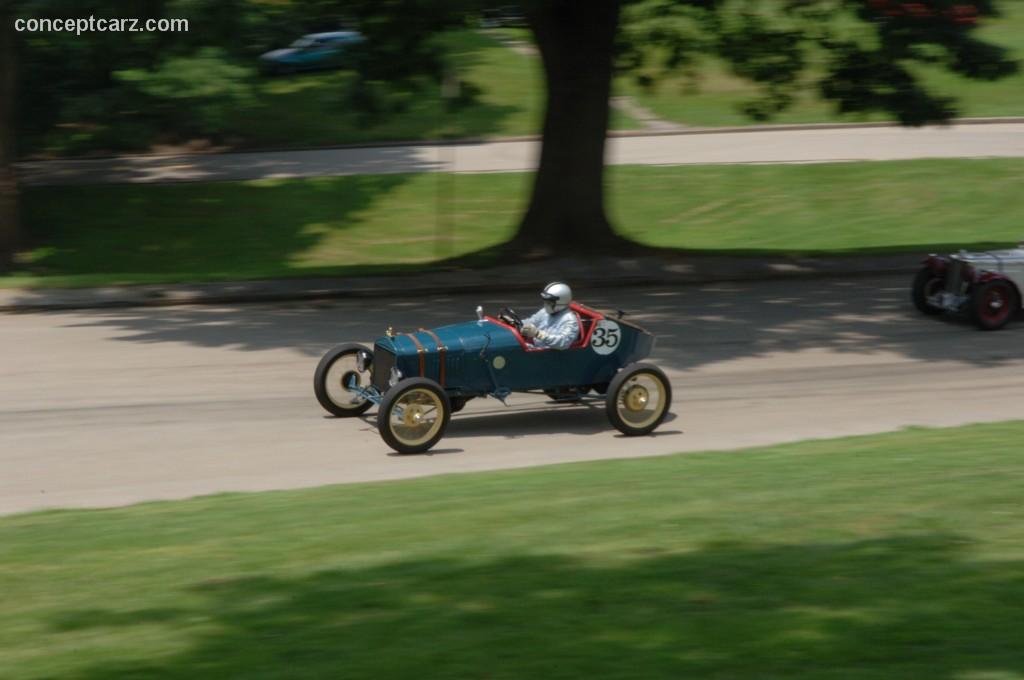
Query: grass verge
point(716, 96)
point(889, 556)
point(388, 223)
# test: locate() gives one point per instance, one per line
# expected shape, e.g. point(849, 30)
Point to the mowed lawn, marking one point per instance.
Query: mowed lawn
point(716, 96)
point(894, 556)
point(380, 223)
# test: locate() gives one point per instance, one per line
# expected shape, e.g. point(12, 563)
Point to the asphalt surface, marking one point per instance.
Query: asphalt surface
point(591, 271)
point(110, 407)
point(810, 144)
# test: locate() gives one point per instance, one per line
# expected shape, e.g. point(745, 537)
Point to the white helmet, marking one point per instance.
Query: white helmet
point(556, 296)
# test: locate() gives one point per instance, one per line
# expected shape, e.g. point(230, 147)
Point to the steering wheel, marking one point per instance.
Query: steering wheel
point(510, 317)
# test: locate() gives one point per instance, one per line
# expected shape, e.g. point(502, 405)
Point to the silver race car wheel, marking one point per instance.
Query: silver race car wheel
point(337, 371)
point(414, 415)
point(638, 399)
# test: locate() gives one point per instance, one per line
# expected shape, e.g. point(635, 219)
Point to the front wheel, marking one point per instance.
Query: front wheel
point(414, 415)
point(638, 399)
point(993, 304)
point(338, 372)
point(926, 284)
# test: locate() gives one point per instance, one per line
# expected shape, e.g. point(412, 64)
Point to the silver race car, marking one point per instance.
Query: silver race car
point(986, 285)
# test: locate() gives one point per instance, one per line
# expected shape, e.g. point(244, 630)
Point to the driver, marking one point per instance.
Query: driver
point(554, 325)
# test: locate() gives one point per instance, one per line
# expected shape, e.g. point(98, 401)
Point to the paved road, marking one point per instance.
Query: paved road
point(792, 146)
point(111, 407)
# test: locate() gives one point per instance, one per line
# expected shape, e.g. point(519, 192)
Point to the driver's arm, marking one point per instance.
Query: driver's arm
point(562, 335)
point(534, 319)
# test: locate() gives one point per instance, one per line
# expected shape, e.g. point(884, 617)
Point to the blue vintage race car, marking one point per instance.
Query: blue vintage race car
point(419, 379)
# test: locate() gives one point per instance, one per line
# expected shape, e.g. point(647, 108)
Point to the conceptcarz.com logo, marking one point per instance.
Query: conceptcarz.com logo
point(93, 25)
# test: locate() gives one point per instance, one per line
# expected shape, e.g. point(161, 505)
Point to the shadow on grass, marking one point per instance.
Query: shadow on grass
point(896, 607)
point(217, 227)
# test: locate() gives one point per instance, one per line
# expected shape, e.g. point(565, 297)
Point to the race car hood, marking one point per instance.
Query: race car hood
point(460, 337)
point(991, 259)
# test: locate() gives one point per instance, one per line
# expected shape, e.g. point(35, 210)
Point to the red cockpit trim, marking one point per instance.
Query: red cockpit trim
point(527, 347)
point(584, 311)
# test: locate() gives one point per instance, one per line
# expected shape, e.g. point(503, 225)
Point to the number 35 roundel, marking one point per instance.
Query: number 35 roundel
point(606, 337)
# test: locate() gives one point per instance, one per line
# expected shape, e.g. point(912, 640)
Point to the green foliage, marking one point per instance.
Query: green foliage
point(206, 84)
point(121, 91)
point(865, 54)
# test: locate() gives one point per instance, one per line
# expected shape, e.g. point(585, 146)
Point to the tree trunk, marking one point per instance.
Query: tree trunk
point(9, 229)
point(575, 39)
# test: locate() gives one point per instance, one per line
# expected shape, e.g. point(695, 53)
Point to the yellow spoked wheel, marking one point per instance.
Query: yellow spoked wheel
point(414, 415)
point(638, 399)
point(334, 377)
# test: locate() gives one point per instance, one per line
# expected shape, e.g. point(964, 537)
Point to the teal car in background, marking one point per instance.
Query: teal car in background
point(313, 52)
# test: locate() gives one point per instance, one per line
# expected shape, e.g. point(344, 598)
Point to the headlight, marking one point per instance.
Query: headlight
point(396, 375)
point(362, 361)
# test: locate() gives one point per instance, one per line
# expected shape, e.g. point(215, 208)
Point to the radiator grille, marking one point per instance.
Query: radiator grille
point(383, 362)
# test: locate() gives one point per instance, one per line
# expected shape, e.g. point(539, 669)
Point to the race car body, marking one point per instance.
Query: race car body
point(426, 375)
point(987, 285)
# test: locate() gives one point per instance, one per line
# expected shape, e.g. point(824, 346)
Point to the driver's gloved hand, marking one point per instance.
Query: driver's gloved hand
point(529, 330)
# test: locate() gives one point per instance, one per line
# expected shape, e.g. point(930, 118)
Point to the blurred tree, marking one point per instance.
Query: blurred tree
point(9, 225)
point(114, 89)
point(861, 54)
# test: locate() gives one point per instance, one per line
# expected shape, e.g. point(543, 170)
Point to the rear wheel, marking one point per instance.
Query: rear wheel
point(335, 376)
point(638, 399)
point(414, 415)
point(993, 304)
point(926, 284)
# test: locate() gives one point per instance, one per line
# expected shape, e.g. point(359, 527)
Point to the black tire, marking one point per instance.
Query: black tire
point(333, 397)
point(565, 395)
point(633, 418)
point(422, 393)
point(926, 283)
point(459, 403)
point(994, 304)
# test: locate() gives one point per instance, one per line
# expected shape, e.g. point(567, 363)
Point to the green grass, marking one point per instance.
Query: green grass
point(716, 98)
point(387, 223)
point(841, 208)
point(895, 556)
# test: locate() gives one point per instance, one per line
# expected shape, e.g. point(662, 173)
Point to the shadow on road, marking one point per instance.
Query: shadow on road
point(543, 419)
point(696, 325)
